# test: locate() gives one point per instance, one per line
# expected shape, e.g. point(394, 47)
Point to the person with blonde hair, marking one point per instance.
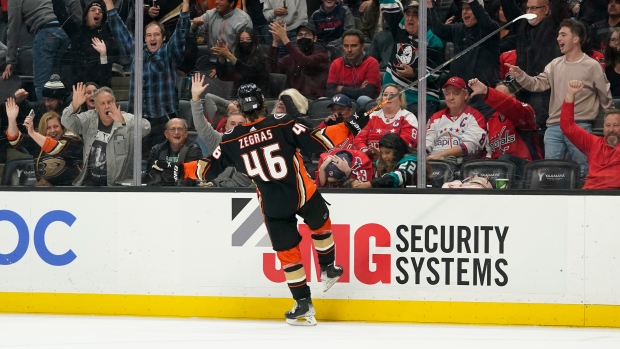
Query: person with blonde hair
point(300, 102)
point(393, 117)
point(60, 156)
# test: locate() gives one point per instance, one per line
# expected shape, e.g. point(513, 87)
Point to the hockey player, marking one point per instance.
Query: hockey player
point(265, 149)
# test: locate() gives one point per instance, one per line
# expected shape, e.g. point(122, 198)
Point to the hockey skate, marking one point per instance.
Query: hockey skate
point(302, 313)
point(329, 275)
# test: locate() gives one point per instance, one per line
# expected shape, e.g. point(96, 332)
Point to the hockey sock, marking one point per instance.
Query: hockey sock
point(296, 280)
point(325, 247)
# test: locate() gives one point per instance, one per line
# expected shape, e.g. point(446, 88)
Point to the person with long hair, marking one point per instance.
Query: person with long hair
point(396, 166)
point(612, 61)
point(246, 65)
point(90, 88)
point(60, 157)
point(300, 102)
point(393, 117)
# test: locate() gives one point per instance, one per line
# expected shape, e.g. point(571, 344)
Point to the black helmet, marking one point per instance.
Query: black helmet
point(334, 172)
point(250, 98)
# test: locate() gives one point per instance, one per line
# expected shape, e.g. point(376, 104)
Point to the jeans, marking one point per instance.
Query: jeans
point(556, 145)
point(362, 101)
point(48, 47)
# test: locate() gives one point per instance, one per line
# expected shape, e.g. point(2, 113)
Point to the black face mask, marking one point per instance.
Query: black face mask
point(245, 47)
point(305, 45)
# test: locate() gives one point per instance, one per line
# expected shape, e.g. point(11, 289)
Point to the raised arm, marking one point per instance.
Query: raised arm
point(119, 30)
point(14, 136)
point(176, 45)
point(211, 137)
point(522, 115)
point(577, 135)
point(443, 31)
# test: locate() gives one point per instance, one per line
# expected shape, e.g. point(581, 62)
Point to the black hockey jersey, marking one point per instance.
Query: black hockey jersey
point(267, 151)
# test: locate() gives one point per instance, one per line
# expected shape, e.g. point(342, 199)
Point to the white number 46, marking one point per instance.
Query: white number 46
point(276, 166)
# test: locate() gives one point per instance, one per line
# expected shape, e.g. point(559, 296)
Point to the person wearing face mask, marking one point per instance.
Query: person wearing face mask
point(305, 67)
point(246, 65)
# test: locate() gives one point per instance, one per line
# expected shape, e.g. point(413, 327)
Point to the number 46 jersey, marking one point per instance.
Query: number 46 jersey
point(266, 150)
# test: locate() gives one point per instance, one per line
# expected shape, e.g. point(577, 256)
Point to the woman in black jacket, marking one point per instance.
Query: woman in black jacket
point(246, 65)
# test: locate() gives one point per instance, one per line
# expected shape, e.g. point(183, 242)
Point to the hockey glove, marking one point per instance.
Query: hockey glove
point(169, 172)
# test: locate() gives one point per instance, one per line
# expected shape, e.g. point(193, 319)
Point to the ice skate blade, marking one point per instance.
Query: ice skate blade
point(302, 321)
point(329, 283)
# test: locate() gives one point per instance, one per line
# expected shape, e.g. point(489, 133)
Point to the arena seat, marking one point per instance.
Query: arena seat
point(490, 169)
point(277, 84)
point(185, 113)
point(19, 172)
point(441, 173)
point(551, 174)
point(24, 62)
point(318, 111)
point(9, 86)
point(271, 104)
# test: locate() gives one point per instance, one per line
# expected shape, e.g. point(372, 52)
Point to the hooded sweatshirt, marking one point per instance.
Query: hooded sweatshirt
point(83, 58)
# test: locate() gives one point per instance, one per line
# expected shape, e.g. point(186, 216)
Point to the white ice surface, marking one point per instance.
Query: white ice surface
point(51, 331)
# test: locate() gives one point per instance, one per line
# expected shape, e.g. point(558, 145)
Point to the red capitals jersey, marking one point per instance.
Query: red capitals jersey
point(266, 151)
point(510, 116)
point(404, 124)
point(361, 166)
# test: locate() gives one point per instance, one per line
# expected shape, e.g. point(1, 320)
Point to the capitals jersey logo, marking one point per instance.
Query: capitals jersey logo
point(502, 141)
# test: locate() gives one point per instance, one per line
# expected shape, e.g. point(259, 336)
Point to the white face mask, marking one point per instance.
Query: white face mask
point(532, 21)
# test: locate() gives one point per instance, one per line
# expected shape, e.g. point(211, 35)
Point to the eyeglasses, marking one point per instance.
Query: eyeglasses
point(614, 40)
point(534, 8)
point(95, 10)
point(176, 129)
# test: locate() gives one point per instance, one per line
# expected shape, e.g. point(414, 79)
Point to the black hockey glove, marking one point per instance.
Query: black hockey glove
point(169, 172)
point(291, 109)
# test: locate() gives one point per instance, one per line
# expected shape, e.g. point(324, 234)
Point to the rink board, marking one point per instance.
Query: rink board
point(514, 259)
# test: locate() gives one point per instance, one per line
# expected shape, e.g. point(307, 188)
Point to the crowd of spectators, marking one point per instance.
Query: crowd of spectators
point(501, 99)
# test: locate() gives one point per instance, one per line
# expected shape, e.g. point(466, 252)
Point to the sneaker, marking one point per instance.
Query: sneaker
point(302, 313)
point(329, 275)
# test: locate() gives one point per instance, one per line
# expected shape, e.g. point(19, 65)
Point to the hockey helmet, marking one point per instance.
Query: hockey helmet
point(250, 98)
point(333, 172)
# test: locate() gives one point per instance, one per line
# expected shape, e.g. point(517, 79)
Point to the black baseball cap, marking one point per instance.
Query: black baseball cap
point(308, 26)
point(413, 4)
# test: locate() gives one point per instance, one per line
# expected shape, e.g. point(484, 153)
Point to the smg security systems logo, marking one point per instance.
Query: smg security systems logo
point(23, 237)
point(411, 254)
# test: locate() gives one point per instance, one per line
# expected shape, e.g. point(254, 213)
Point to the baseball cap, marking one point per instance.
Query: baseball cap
point(342, 100)
point(308, 26)
point(413, 4)
point(456, 82)
point(332, 171)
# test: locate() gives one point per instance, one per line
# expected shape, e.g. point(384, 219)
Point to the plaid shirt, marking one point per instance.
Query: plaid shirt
point(159, 77)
